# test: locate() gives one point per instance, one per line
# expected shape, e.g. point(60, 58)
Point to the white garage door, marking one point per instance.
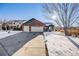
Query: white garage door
point(26, 28)
point(36, 29)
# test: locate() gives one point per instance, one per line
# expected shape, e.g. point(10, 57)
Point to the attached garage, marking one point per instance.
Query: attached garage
point(33, 25)
point(26, 28)
point(37, 29)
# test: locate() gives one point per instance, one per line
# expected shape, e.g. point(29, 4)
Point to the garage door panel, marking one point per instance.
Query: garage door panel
point(26, 28)
point(36, 29)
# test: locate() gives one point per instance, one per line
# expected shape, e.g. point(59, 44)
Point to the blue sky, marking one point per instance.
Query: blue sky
point(20, 11)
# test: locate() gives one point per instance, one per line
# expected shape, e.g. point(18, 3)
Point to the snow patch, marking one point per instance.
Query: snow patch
point(59, 45)
point(4, 34)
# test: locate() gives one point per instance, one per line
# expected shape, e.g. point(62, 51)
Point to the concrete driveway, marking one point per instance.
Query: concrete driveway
point(11, 44)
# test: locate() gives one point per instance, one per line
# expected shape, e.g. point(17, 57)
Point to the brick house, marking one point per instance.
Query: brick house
point(33, 25)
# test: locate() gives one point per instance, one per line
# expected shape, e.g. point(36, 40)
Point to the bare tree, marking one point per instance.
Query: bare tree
point(64, 14)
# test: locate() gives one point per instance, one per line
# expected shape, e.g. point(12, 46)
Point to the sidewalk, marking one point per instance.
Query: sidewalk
point(35, 47)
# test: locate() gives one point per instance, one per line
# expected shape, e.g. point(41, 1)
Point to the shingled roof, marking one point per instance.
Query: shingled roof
point(34, 22)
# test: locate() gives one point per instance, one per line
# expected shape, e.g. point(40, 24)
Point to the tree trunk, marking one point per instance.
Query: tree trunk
point(66, 31)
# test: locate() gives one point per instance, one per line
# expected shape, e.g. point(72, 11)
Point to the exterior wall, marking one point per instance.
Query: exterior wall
point(33, 28)
point(37, 29)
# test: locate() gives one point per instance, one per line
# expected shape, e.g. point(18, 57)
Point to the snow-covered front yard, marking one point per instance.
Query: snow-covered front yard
point(4, 34)
point(60, 45)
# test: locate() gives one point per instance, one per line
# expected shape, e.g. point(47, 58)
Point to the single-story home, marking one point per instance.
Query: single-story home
point(49, 26)
point(33, 25)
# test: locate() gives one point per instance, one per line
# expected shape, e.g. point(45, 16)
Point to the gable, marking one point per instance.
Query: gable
point(34, 22)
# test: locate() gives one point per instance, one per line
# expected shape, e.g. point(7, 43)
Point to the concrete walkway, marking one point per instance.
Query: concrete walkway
point(35, 47)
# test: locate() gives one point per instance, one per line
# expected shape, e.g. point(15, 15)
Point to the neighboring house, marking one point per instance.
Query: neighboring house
point(13, 25)
point(49, 27)
point(33, 25)
point(4, 26)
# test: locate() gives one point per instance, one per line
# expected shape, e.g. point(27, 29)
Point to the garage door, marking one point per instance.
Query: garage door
point(26, 28)
point(36, 29)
